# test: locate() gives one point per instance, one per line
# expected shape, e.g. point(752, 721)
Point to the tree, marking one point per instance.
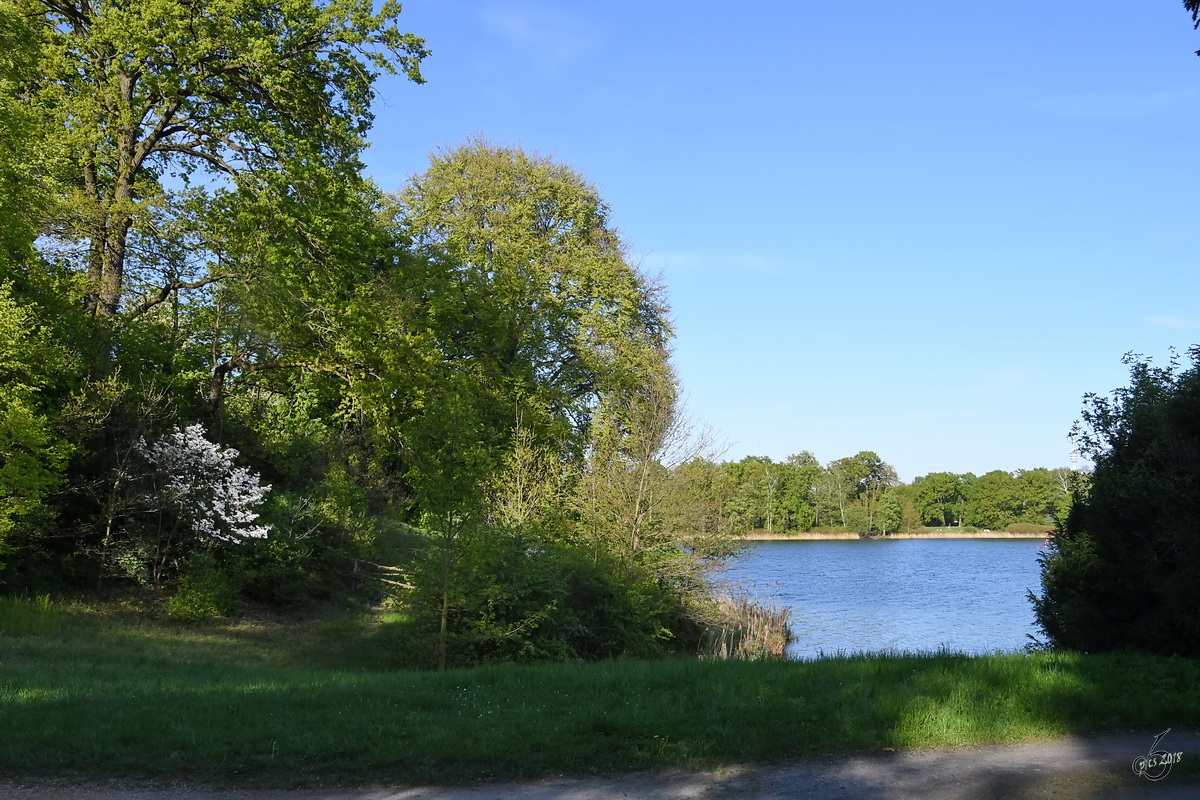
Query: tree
point(874, 478)
point(801, 476)
point(526, 322)
point(891, 512)
point(936, 494)
point(751, 505)
point(994, 500)
point(451, 457)
point(1035, 496)
point(705, 489)
point(194, 497)
point(253, 96)
point(1122, 570)
point(528, 279)
point(197, 191)
point(632, 498)
point(843, 475)
point(858, 482)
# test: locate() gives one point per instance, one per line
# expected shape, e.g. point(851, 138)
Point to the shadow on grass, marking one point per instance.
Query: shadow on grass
point(283, 701)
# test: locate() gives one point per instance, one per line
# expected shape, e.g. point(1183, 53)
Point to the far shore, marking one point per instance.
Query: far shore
point(759, 536)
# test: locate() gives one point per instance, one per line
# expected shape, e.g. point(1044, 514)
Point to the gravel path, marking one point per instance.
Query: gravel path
point(1074, 769)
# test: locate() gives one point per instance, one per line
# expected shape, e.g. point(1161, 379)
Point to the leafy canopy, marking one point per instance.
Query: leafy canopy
point(222, 92)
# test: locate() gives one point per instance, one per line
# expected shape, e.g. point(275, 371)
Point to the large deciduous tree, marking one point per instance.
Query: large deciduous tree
point(938, 497)
point(858, 483)
point(243, 94)
point(531, 283)
point(532, 318)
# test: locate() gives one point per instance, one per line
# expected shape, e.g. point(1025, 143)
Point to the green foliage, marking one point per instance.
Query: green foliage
point(538, 321)
point(204, 591)
point(993, 500)
point(891, 512)
point(527, 286)
point(861, 493)
point(265, 98)
point(24, 148)
point(32, 455)
point(1122, 572)
point(514, 599)
point(941, 497)
point(208, 253)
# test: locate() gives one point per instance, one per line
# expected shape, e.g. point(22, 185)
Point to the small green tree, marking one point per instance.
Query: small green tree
point(632, 500)
point(451, 454)
point(891, 512)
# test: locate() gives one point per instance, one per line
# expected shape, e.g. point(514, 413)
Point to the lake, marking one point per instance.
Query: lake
point(967, 595)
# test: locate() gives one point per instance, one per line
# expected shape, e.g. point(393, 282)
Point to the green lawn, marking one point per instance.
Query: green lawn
point(101, 691)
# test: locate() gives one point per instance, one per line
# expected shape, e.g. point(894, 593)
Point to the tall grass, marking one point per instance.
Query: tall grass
point(287, 700)
point(747, 629)
point(23, 616)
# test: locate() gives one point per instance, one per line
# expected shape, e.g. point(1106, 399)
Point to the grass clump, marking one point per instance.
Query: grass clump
point(108, 692)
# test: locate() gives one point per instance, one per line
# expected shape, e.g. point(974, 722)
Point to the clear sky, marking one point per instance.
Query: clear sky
point(923, 228)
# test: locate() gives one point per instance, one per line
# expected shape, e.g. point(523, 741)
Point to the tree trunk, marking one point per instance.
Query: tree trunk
point(113, 277)
point(445, 604)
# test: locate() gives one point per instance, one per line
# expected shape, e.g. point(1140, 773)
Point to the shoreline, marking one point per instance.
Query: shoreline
point(763, 536)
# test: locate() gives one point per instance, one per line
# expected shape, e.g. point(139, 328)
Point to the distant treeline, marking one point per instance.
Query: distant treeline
point(862, 493)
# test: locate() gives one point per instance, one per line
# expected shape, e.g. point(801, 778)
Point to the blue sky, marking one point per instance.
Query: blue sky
point(921, 228)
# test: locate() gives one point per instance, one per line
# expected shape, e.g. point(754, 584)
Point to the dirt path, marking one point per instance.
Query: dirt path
point(1074, 769)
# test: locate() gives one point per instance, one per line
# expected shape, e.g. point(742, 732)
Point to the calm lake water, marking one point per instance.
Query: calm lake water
point(968, 595)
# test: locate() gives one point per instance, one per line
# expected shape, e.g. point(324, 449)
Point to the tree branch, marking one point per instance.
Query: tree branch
point(166, 290)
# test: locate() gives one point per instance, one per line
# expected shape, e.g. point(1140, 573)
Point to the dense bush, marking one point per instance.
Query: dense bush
point(1122, 571)
point(204, 591)
point(516, 600)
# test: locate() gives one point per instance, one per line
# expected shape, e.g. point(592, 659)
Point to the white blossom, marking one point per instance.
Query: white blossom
point(201, 482)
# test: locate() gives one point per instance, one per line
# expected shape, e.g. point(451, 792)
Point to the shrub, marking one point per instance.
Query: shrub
point(1028, 527)
point(204, 592)
point(513, 599)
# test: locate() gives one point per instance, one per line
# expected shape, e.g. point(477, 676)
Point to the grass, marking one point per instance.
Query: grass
point(113, 691)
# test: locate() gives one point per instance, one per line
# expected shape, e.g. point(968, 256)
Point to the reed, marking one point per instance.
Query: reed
point(747, 629)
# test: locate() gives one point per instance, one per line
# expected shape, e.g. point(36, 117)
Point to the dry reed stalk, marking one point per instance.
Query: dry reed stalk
point(746, 629)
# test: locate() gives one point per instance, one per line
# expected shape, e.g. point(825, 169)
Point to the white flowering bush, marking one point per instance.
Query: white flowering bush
point(201, 486)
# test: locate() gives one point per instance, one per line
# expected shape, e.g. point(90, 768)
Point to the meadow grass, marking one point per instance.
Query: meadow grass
point(110, 691)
